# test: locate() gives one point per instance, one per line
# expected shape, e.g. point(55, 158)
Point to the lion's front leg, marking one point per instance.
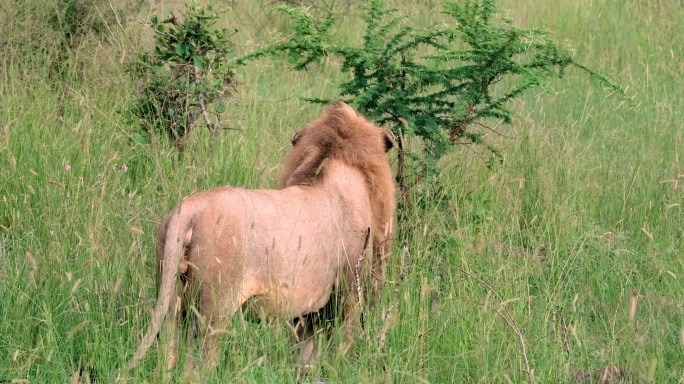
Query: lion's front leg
point(351, 322)
point(305, 333)
point(377, 274)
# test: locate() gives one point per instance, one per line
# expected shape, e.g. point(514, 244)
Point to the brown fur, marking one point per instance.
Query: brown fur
point(343, 135)
point(284, 250)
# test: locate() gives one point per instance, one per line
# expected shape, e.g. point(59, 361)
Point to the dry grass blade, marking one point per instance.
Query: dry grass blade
point(508, 318)
point(395, 296)
point(357, 276)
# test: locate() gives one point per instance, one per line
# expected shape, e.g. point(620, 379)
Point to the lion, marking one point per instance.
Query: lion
point(287, 251)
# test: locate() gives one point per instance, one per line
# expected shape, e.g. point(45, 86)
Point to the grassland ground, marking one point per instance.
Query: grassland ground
point(572, 246)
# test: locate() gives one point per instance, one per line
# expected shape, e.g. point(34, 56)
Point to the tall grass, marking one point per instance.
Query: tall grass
point(572, 246)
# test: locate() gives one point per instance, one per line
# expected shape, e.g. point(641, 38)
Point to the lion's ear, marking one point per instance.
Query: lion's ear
point(389, 139)
point(296, 137)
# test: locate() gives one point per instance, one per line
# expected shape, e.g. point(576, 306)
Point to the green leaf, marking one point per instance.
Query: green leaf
point(139, 138)
point(181, 49)
point(199, 63)
point(219, 106)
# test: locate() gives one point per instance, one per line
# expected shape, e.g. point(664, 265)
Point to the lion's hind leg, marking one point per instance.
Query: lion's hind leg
point(216, 312)
point(308, 331)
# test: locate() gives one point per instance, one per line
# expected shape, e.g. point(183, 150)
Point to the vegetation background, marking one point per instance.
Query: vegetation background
point(573, 245)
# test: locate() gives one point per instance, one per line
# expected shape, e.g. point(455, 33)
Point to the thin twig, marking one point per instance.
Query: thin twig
point(509, 320)
point(493, 130)
point(403, 189)
point(200, 98)
point(566, 338)
point(460, 126)
point(400, 166)
point(357, 275)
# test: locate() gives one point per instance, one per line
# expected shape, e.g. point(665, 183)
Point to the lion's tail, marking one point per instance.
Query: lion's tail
point(177, 236)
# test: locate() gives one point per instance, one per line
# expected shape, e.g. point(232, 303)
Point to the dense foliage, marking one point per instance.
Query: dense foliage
point(186, 77)
point(442, 83)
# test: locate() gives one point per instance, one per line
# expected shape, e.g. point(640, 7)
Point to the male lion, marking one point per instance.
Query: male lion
point(287, 250)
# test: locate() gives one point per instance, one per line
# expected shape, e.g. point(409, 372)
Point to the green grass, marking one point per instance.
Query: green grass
point(579, 231)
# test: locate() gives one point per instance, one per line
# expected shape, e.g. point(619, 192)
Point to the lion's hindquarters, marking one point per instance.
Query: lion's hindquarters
point(285, 247)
